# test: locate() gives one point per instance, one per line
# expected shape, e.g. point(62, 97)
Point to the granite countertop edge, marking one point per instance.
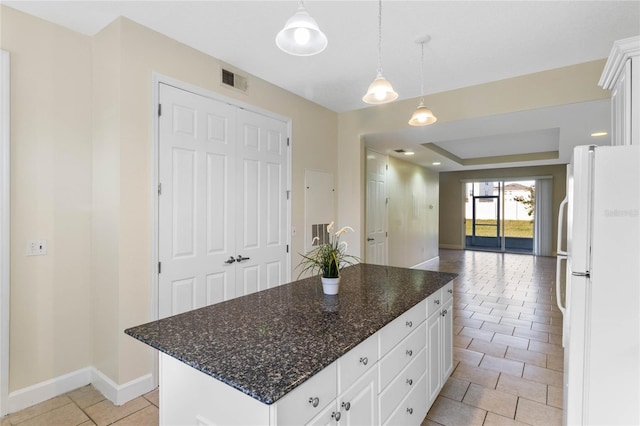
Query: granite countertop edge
point(267, 343)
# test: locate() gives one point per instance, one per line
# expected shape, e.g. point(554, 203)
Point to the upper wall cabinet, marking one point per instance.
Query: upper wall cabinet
point(622, 76)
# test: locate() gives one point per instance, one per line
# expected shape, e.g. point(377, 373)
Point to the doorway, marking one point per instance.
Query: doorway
point(500, 215)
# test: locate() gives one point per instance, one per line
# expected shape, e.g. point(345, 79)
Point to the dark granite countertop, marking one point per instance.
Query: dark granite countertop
point(267, 343)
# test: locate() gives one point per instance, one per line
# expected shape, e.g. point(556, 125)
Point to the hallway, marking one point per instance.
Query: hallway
point(508, 356)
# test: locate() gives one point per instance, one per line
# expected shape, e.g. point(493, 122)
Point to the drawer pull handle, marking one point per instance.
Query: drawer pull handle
point(450, 291)
point(336, 416)
point(346, 406)
point(364, 360)
point(444, 312)
point(314, 401)
point(410, 410)
point(409, 324)
point(437, 301)
point(409, 382)
point(409, 352)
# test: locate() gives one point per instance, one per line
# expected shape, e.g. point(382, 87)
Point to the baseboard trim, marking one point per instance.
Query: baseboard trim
point(48, 389)
point(421, 264)
point(118, 394)
point(452, 246)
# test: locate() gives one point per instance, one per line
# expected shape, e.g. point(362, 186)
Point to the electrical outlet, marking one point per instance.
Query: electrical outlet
point(36, 247)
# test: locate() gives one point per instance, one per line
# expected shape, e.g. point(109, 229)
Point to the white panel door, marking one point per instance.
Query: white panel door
point(261, 174)
point(376, 214)
point(196, 202)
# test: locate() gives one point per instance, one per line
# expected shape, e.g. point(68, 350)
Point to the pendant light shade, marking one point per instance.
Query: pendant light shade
point(380, 91)
point(422, 116)
point(301, 35)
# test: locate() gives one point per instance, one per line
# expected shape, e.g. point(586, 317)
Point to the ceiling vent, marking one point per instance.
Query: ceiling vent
point(234, 80)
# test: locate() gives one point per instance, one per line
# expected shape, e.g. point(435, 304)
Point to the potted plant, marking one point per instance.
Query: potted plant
point(328, 259)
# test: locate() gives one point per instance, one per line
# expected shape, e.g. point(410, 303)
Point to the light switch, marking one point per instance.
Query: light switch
point(36, 247)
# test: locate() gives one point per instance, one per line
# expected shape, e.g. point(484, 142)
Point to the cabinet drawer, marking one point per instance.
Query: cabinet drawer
point(413, 409)
point(356, 362)
point(447, 292)
point(434, 302)
point(406, 381)
point(402, 354)
point(308, 399)
point(392, 333)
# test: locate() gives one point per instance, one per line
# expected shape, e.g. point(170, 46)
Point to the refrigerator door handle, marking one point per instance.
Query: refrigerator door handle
point(562, 308)
point(561, 210)
point(580, 274)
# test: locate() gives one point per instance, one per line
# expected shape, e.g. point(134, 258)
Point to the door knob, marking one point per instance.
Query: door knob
point(230, 260)
point(370, 239)
point(240, 258)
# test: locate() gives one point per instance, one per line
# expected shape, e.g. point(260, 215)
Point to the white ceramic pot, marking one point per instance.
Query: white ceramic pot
point(330, 285)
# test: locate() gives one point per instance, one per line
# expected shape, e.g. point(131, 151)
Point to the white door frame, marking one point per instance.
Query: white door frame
point(5, 238)
point(156, 80)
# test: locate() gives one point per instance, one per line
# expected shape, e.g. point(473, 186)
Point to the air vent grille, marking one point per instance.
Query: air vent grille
point(234, 80)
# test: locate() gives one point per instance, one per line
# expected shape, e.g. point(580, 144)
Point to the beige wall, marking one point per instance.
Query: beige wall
point(413, 213)
point(452, 202)
point(577, 83)
point(82, 178)
point(50, 330)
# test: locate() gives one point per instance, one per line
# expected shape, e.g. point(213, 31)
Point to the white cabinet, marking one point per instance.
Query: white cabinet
point(356, 406)
point(439, 340)
point(621, 75)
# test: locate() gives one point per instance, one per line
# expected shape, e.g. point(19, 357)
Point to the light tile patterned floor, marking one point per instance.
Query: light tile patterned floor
point(508, 356)
point(86, 406)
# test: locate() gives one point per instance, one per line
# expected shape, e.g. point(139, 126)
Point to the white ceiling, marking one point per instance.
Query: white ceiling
point(472, 42)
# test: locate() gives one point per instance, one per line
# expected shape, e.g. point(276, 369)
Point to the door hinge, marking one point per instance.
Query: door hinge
point(288, 193)
point(288, 141)
point(386, 234)
point(386, 167)
point(159, 110)
point(159, 189)
point(287, 248)
point(159, 267)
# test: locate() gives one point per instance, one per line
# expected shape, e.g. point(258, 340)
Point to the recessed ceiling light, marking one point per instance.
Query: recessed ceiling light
point(409, 153)
point(596, 134)
point(436, 163)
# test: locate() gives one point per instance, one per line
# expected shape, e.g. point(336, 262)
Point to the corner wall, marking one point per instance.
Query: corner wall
point(50, 328)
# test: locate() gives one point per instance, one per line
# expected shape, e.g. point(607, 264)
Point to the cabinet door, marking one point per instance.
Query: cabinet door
point(447, 341)
point(358, 405)
point(434, 350)
point(329, 416)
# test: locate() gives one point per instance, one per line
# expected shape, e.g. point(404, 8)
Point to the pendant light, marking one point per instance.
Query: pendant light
point(380, 91)
point(422, 116)
point(301, 35)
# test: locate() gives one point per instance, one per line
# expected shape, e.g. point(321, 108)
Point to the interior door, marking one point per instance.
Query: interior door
point(222, 205)
point(261, 236)
point(196, 213)
point(376, 214)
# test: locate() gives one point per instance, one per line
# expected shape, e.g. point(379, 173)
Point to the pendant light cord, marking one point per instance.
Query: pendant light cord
point(422, 72)
point(380, 37)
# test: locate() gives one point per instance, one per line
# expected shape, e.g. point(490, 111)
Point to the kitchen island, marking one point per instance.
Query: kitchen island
point(281, 356)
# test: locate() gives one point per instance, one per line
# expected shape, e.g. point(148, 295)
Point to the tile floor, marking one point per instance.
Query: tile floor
point(507, 349)
point(508, 357)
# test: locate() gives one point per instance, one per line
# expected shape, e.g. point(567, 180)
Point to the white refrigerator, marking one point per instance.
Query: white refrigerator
point(599, 238)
